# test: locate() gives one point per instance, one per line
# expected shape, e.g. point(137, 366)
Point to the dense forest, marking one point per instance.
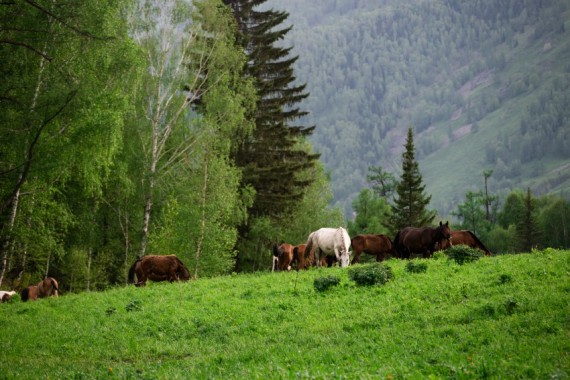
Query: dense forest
point(175, 127)
point(483, 83)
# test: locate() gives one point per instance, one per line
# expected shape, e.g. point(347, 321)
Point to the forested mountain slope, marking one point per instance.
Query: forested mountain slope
point(485, 84)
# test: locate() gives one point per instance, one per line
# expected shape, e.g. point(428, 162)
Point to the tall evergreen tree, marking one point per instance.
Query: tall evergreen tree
point(527, 230)
point(272, 158)
point(410, 203)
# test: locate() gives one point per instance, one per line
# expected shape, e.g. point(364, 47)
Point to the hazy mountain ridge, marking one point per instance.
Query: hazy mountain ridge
point(467, 75)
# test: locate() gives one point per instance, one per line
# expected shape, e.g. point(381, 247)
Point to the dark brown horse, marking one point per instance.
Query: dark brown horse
point(158, 268)
point(412, 240)
point(377, 245)
point(282, 256)
point(464, 237)
point(47, 287)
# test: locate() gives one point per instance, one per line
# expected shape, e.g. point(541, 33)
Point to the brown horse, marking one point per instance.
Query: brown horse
point(6, 295)
point(158, 268)
point(377, 245)
point(47, 287)
point(412, 240)
point(299, 259)
point(464, 237)
point(282, 256)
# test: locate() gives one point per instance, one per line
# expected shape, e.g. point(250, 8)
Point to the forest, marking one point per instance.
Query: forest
point(174, 127)
point(483, 83)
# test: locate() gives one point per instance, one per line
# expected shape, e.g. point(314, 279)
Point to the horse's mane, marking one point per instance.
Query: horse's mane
point(478, 241)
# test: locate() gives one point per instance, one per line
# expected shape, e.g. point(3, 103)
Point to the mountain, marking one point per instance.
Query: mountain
point(485, 85)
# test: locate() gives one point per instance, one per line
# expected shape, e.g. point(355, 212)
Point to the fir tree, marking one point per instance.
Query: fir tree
point(527, 230)
point(410, 203)
point(272, 158)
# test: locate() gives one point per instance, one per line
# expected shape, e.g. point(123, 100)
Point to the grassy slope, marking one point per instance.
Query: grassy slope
point(503, 316)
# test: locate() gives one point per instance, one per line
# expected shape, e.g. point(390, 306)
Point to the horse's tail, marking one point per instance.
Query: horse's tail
point(296, 260)
point(487, 252)
point(132, 271)
point(25, 294)
point(396, 243)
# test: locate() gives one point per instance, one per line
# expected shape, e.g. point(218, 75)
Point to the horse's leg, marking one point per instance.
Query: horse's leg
point(356, 258)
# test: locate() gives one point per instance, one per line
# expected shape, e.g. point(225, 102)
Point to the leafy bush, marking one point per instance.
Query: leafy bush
point(416, 267)
point(322, 284)
point(371, 274)
point(463, 254)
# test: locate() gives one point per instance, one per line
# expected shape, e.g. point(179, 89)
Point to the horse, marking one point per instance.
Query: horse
point(377, 245)
point(158, 268)
point(299, 259)
point(282, 257)
point(330, 241)
point(464, 237)
point(412, 240)
point(48, 287)
point(6, 295)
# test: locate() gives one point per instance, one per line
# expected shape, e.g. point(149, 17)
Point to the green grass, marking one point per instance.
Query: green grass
point(498, 317)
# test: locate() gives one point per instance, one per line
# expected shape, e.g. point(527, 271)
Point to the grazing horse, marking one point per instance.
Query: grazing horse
point(282, 257)
point(377, 245)
point(158, 268)
point(47, 287)
point(299, 259)
point(412, 240)
point(6, 295)
point(330, 241)
point(464, 237)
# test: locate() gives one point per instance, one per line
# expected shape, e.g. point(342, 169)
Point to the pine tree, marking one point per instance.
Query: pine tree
point(527, 230)
point(271, 158)
point(410, 203)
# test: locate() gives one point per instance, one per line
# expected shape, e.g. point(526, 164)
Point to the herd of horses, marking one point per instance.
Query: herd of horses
point(408, 242)
point(324, 247)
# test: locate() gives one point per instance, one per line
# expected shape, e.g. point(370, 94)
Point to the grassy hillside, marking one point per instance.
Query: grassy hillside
point(500, 317)
point(464, 74)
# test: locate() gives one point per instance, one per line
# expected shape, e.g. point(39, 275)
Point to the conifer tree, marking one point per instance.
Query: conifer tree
point(410, 203)
point(527, 230)
point(272, 158)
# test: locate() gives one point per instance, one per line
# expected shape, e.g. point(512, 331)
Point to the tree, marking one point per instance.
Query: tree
point(383, 182)
point(410, 204)
point(527, 228)
point(272, 159)
point(370, 209)
point(63, 71)
point(471, 212)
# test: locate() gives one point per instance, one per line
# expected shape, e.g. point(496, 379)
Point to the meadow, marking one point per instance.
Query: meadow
point(498, 317)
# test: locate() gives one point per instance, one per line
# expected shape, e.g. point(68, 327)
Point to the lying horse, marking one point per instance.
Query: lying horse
point(6, 295)
point(377, 245)
point(464, 237)
point(282, 257)
point(158, 268)
point(47, 287)
point(412, 240)
point(330, 241)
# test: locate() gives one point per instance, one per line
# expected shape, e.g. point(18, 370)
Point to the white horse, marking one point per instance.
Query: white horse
point(6, 295)
point(330, 241)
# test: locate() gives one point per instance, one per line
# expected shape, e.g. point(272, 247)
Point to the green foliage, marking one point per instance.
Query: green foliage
point(371, 210)
point(416, 267)
point(322, 284)
point(462, 254)
point(371, 274)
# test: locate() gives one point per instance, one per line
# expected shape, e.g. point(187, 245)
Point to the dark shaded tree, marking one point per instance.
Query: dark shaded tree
point(527, 227)
point(410, 203)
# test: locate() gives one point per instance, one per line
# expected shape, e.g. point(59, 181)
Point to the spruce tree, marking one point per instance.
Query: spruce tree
point(410, 203)
point(527, 230)
point(271, 158)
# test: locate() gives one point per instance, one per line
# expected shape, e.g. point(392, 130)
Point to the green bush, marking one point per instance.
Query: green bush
point(322, 284)
point(416, 267)
point(371, 274)
point(463, 254)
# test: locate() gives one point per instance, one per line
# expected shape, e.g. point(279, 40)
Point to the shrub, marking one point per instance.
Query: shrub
point(322, 284)
point(416, 267)
point(463, 254)
point(371, 274)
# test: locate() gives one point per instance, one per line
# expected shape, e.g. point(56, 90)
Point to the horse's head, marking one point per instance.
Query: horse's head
point(444, 232)
point(345, 259)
